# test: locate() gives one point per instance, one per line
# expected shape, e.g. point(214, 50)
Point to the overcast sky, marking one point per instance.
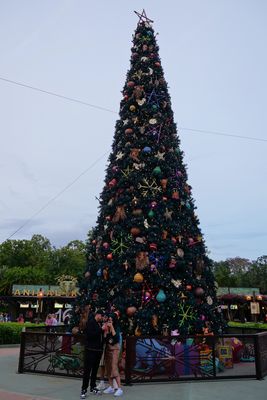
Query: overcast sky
point(214, 56)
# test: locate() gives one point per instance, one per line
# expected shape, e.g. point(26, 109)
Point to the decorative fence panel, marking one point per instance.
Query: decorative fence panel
point(152, 359)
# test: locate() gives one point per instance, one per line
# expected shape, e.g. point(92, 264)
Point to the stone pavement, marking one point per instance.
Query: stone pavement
point(15, 386)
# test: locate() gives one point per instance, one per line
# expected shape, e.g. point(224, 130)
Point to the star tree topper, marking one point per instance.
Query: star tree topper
point(143, 18)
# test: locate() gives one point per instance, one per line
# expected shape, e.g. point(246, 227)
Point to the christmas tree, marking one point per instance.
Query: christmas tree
point(146, 256)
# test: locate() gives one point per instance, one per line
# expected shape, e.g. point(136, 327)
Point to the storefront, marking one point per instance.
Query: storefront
point(243, 304)
point(34, 302)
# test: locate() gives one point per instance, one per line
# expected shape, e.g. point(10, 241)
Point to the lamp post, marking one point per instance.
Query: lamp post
point(40, 303)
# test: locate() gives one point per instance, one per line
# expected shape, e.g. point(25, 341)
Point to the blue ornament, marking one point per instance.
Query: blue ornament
point(147, 149)
point(99, 272)
point(161, 296)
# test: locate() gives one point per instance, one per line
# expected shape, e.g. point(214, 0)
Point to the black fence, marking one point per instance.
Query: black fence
point(152, 359)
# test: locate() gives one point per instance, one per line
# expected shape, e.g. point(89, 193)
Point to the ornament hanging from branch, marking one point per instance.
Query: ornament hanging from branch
point(119, 214)
point(149, 187)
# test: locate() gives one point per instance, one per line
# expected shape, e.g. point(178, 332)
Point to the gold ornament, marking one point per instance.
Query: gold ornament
point(138, 278)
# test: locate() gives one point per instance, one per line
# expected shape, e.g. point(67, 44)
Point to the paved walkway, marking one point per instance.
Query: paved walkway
point(15, 386)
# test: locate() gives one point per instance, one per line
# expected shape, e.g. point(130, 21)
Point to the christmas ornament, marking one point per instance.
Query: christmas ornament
point(161, 296)
point(141, 102)
point(188, 287)
point(130, 84)
point(119, 155)
point(151, 214)
point(180, 253)
point(186, 313)
point(135, 231)
point(119, 245)
point(128, 131)
point(110, 256)
point(147, 149)
point(157, 171)
point(105, 274)
point(138, 91)
point(172, 263)
point(153, 246)
point(160, 156)
point(132, 108)
point(106, 245)
point(99, 272)
point(176, 283)
point(154, 321)
point(163, 183)
point(87, 274)
point(137, 212)
point(112, 183)
point(153, 121)
point(168, 214)
point(138, 278)
point(131, 311)
point(137, 331)
point(149, 187)
point(119, 214)
point(199, 291)
point(141, 260)
point(175, 195)
point(135, 154)
point(209, 300)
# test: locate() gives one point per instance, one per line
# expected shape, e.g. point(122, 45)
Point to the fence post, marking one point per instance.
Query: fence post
point(22, 352)
point(257, 357)
point(130, 342)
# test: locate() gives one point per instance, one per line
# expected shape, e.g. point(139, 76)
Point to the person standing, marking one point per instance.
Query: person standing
point(112, 356)
point(92, 352)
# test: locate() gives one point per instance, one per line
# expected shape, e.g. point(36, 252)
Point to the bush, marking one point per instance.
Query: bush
point(10, 331)
point(251, 325)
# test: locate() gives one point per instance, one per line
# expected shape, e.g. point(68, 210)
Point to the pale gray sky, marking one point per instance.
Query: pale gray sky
point(214, 57)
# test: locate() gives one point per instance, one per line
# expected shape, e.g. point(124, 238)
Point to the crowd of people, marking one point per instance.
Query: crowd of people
point(4, 317)
point(102, 349)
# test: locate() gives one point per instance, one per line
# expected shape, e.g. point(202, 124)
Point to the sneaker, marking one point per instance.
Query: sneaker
point(109, 390)
point(83, 394)
point(101, 385)
point(119, 392)
point(95, 391)
point(115, 385)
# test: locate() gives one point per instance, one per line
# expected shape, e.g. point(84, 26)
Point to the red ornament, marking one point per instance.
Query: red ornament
point(174, 240)
point(164, 198)
point(188, 287)
point(106, 245)
point(153, 246)
point(199, 291)
point(130, 84)
point(128, 131)
point(112, 183)
point(157, 64)
point(172, 263)
point(108, 218)
point(110, 256)
point(94, 241)
point(135, 231)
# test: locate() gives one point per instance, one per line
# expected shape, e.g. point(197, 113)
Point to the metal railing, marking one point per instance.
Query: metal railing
point(152, 359)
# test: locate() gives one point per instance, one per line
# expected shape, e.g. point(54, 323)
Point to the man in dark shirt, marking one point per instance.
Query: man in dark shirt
point(92, 352)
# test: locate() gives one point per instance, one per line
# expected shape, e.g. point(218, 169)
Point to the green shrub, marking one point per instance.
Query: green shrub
point(10, 331)
point(251, 325)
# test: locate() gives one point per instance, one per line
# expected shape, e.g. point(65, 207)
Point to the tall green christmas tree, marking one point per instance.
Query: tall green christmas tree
point(146, 256)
